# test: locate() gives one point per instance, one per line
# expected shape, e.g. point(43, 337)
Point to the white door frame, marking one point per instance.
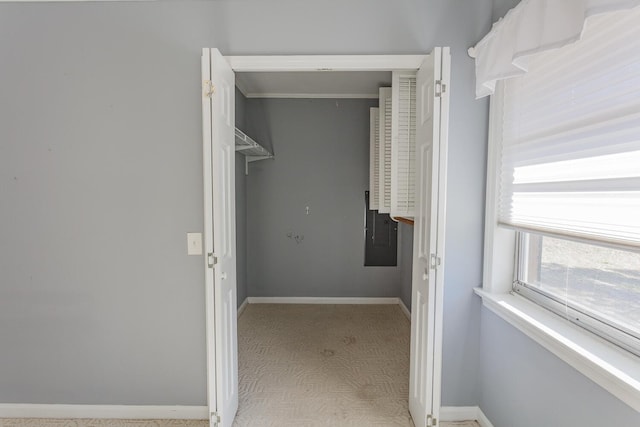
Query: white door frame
point(241, 64)
point(440, 234)
point(432, 97)
point(220, 237)
point(311, 63)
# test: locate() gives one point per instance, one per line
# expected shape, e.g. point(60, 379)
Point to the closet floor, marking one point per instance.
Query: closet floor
point(323, 365)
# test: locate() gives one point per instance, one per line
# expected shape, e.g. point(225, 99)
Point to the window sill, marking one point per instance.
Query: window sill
point(609, 366)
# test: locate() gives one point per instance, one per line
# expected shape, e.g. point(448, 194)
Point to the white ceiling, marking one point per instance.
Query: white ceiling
point(320, 84)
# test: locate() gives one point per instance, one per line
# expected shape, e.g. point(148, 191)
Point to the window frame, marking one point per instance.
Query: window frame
point(612, 367)
point(584, 317)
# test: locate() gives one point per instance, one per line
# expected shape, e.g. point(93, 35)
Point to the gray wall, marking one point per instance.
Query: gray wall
point(241, 205)
point(501, 7)
point(465, 207)
point(101, 177)
point(322, 161)
point(524, 385)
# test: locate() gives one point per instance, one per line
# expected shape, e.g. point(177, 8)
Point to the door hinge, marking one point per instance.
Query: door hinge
point(212, 260)
point(435, 261)
point(215, 419)
point(440, 88)
point(431, 422)
point(208, 88)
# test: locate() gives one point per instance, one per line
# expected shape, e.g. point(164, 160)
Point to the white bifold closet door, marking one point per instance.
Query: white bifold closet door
point(374, 158)
point(218, 117)
point(403, 144)
point(384, 179)
point(432, 106)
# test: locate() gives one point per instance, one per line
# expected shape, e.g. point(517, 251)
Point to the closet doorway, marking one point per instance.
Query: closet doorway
point(432, 112)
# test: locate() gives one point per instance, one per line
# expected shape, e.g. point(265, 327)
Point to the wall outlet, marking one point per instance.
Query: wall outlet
point(194, 243)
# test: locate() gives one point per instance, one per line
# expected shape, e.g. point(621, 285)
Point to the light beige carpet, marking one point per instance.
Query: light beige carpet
point(323, 365)
point(309, 365)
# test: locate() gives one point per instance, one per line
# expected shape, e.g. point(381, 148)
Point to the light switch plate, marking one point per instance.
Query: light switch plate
point(194, 243)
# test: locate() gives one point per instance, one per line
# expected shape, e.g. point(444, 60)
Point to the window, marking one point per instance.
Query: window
point(595, 287)
point(569, 178)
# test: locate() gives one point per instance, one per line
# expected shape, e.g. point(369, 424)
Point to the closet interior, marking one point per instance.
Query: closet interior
point(313, 159)
point(316, 153)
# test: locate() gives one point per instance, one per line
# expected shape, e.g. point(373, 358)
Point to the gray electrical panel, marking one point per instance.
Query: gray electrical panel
point(381, 238)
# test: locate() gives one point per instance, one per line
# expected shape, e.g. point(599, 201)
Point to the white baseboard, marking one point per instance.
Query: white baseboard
point(243, 306)
point(21, 410)
point(322, 300)
point(483, 420)
point(404, 309)
point(458, 413)
point(464, 413)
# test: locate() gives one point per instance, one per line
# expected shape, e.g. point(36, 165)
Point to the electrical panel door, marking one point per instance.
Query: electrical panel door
point(381, 238)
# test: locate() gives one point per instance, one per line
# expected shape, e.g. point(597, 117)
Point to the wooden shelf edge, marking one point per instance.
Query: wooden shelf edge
point(403, 220)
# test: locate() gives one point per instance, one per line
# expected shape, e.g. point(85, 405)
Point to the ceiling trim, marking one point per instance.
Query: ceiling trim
point(61, 1)
point(242, 88)
point(325, 63)
point(314, 95)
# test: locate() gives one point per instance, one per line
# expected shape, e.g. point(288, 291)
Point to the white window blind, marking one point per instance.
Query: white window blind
point(403, 144)
point(374, 158)
point(384, 205)
point(570, 162)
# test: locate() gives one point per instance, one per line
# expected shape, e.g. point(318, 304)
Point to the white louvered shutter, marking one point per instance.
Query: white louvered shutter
point(374, 159)
point(403, 145)
point(384, 202)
